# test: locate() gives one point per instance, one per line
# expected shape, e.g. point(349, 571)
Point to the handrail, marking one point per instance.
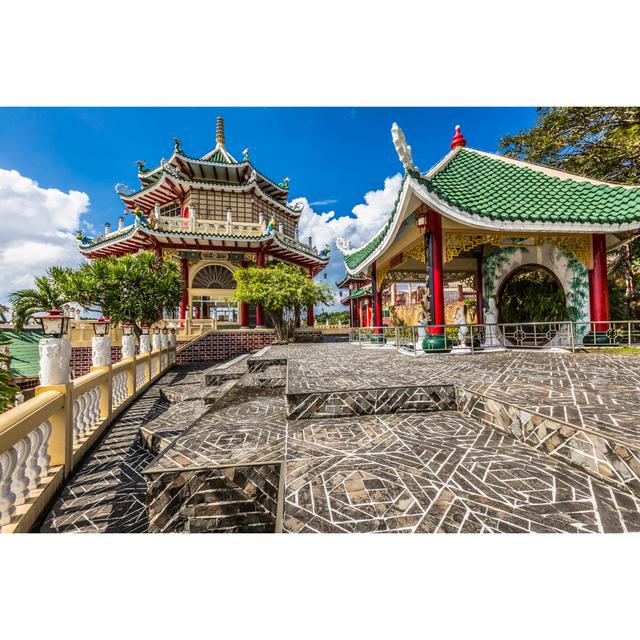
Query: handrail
point(43, 439)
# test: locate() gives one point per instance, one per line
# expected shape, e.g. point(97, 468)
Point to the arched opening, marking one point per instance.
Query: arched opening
point(214, 276)
point(211, 294)
point(531, 293)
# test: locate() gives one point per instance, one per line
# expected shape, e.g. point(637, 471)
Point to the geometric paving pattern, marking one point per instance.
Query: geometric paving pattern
point(370, 440)
point(106, 493)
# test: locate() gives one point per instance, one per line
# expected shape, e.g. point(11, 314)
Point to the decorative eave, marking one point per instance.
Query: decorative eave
point(171, 186)
point(140, 236)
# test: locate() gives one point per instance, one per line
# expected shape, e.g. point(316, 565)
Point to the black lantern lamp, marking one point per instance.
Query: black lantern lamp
point(101, 327)
point(165, 331)
point(156, 330)
point(55, 324)
point(421, 219)
point(127, 328)
point(145, 328)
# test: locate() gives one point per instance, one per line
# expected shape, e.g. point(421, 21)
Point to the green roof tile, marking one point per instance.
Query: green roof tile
point(493, 188)
point(23, 350)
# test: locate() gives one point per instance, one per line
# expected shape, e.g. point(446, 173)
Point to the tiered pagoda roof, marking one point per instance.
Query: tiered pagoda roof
point(493, 192)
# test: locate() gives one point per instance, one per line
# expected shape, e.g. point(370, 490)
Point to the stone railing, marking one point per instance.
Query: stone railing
point(42, 440)
point(213, 227)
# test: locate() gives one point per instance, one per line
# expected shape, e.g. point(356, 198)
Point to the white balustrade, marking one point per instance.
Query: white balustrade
point(87, 415)
point(141, 376)
point(118, 388)
point(22, 469)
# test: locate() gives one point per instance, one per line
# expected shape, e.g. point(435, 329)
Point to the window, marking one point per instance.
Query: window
point(207, 307)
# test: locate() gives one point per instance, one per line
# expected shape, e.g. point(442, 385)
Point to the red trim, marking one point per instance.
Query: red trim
point(598, 282)
point(434, 222)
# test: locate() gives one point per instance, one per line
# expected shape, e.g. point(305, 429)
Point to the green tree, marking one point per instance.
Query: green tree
point(133, 288)
point(7, 389)
point(282, 290)
point(46, 294)
point(599, 142)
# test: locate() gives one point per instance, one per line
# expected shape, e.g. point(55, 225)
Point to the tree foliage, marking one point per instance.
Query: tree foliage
point(283, 291)
point(532, 295)
point(601, 143)
point(133, 288)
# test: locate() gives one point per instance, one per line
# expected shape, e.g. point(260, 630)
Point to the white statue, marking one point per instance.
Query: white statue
point(145, 343)
point(422, 329)
point(402, 148)
point(460, 318)
point(491, 330)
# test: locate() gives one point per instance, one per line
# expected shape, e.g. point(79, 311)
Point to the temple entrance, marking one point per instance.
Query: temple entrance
point(531, 294)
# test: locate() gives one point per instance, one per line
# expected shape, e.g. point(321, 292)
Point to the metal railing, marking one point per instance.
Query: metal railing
point(474, 338)
point(43, 439)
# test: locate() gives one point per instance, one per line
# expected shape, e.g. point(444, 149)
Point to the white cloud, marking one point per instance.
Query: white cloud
point(322, 203)
point(37, 229)
point(367, 219)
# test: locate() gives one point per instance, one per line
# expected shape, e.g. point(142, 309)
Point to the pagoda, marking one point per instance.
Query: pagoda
point(357, 298)
point(212, 214)
point(484, 218)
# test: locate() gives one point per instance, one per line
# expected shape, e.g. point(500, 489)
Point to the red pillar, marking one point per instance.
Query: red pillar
point(479, 286)
point(376, 297)
point(259, 309)
point(310, 319)
point(436, 273)
point(184, 298)
point(598, 282)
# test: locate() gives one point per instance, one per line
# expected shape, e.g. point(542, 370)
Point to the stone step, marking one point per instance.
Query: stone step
point(358, 402)
point(273, 376)
point(240, 523)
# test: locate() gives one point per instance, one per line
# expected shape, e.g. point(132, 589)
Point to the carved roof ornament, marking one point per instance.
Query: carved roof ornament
point(220, 132)
point(402, 148)
point(343, 245)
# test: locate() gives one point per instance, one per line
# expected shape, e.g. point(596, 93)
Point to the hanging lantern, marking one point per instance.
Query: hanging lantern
point(101, 326)
point(127, 328)
point(421, 219)
point(54, 324)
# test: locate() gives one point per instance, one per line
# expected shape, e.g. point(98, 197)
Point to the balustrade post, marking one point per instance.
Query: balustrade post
point(61, 438)
point(105, 393)
point(131, 376)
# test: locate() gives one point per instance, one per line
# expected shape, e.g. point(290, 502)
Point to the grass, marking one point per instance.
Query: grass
point(622, 351)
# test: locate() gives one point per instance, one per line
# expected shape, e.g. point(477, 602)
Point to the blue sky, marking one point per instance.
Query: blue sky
point(334, 157)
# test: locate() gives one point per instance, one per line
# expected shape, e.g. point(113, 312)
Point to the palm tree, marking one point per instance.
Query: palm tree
point(46, 294)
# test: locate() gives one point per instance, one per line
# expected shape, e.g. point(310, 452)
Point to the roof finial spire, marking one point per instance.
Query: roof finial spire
point(458, 139)
point(220, 132)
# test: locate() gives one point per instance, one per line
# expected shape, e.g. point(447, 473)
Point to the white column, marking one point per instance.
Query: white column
point(128, 346)
point(164, 340)
point(145, 343)
point(55, 357)
point(174, 339)
point(101, 351)
point(155, 341)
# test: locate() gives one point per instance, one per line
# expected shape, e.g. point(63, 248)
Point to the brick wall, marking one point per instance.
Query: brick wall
point(81, 359)
point(220, 345)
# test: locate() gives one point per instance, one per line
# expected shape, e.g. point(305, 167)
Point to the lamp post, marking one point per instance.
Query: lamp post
point(145, 344)
point(128, 341)
point(101, 343)
point(54, 349)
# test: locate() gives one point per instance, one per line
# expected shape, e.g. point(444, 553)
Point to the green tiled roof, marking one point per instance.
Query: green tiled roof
point(365, 291)
point(219, 156)
point(492, 188)
point(23, 350)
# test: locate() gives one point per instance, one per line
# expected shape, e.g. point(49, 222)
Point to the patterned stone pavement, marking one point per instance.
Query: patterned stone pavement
point(399, 458)
point(106, 493)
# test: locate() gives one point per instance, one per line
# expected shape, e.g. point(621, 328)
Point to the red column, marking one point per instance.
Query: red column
point(376, 297)
point(436, 274)
point(598, 282)
point(310, 319)
point(184, 298)
point(259, 310)
point(479, 292)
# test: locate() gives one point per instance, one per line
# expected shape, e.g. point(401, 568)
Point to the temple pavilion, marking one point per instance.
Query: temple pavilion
point(212, 214)
point(478, 219)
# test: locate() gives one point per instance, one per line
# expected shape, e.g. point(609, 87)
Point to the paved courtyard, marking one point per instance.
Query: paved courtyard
point(338, 438)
